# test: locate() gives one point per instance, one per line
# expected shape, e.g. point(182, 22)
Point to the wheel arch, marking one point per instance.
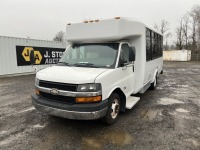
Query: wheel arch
point(155, 75)
point(122, 98)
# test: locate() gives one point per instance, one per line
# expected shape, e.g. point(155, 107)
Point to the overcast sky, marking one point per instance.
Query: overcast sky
point(42, 19)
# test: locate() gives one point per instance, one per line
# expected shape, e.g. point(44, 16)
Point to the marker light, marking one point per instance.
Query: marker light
point(117, 17)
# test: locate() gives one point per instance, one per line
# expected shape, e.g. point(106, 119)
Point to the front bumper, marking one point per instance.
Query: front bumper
point(71, 111)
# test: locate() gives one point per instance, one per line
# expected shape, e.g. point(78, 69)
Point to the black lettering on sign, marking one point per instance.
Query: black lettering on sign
point(43, 55)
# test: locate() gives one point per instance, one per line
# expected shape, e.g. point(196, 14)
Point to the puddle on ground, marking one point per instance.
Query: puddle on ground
point(148, 114)
point(169, 101)
point(193, 141)
point(181, 92)
point(143, 113)
point(12, 138)
point(182, 110)
point(90, 144)
point(151, 115)
point(116, 138)
point(181, 69)
point(183, 85)
point(170, 83)
point(195, 69)
point(3, 132)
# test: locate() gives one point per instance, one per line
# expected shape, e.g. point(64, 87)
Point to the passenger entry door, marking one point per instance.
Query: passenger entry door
point(126, 63)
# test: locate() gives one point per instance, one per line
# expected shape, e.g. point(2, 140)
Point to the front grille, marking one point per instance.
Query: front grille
point(58, 98)
point(59, 86)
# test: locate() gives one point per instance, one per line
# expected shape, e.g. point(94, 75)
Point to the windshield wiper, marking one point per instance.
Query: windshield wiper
point(85, 64)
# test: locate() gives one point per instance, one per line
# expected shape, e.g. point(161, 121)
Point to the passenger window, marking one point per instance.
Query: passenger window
point(124, 56)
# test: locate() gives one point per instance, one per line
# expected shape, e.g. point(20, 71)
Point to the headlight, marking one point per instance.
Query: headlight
point(37, 81)
point(93, 87)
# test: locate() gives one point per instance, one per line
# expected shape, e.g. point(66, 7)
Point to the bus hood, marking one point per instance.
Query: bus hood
point(67, 74)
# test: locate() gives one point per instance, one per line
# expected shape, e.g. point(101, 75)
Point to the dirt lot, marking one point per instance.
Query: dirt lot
point(166, 118)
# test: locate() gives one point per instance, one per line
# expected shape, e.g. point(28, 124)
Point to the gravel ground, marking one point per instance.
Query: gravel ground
point(166, 118)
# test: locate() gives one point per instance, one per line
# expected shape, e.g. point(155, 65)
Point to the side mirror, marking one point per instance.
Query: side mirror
point(123, 63)
point(132, 54)
point(32, 57)
point(122, 60)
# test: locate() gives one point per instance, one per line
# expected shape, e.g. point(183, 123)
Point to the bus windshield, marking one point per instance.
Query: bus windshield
point(91, 55)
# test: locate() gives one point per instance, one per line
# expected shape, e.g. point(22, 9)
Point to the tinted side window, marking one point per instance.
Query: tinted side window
point(148, 44)
point(154, 45)
point(161, 45)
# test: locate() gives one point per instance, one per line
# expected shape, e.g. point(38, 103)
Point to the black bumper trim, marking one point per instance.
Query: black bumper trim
point(89, 107)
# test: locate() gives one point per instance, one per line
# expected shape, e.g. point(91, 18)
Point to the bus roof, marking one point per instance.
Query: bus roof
point(105, 30)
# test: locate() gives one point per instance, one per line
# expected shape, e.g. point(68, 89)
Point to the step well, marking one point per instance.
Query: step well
point(131, 101)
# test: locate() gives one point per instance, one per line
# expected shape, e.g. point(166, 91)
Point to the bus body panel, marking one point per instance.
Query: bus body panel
point(129, 79)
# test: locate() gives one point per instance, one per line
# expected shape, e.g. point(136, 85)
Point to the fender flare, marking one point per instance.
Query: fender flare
point(113, 89)
point(122, 97)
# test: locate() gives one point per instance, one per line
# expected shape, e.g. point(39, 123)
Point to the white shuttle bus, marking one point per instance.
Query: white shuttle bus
point(105, 64)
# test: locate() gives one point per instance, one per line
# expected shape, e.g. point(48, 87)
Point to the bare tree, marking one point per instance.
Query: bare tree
point(163, 27)
point(60, 36)
point(179, 35)
point(185, 28)
point(195, 15)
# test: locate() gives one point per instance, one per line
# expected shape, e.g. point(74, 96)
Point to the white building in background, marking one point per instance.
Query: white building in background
point(14, 54)
point(177, 55)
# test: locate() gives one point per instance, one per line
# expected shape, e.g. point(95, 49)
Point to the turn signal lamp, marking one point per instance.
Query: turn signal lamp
point(88, 99)
point(37, 92)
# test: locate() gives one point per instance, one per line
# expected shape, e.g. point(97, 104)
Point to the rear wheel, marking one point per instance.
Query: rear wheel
point(113, 109)
point(154, 84)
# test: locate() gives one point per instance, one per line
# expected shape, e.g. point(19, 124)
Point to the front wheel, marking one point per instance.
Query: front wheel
point(113, 109)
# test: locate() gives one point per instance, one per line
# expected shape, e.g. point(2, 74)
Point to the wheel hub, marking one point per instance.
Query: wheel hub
point(115, 108)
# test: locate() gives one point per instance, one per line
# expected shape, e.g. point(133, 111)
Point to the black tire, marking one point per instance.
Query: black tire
point(154, 84)
point(111, 117)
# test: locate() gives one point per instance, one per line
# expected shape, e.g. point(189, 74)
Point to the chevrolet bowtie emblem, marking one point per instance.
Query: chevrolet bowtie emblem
point(54, 91)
